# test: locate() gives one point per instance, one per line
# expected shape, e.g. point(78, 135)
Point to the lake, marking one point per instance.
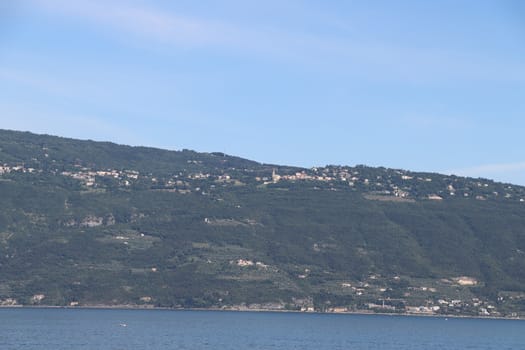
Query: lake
point(99, 329)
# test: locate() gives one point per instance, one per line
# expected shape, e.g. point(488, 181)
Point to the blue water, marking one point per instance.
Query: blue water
point(74, 329)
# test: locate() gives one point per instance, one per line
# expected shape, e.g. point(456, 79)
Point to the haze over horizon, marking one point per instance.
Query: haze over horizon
point(419, 86)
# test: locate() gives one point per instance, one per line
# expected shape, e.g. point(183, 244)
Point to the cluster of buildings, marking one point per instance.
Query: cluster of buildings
point(6, 169)
point(376, 181)
point(88, 176)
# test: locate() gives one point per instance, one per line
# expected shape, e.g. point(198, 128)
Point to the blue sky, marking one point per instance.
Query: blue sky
point(419, 85)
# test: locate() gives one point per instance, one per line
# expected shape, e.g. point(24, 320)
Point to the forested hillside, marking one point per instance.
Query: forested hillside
point(94, 223)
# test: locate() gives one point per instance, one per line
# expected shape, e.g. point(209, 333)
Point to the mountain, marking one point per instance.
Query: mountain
point(94, 223)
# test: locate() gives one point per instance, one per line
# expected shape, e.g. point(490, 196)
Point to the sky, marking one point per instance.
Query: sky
point(420, 85)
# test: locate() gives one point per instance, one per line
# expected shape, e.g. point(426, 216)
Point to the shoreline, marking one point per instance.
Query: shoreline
point(360, 313)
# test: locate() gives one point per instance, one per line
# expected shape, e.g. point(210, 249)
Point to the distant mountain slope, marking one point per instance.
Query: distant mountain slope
point(85, 223)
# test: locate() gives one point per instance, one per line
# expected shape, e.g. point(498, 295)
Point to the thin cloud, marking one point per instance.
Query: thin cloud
point(377, 61)
point(150, 23)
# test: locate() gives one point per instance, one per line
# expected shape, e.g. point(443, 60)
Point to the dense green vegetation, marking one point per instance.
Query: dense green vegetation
point(97, 223)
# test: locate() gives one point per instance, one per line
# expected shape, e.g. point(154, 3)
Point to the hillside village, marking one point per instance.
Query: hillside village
point(374, 183)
